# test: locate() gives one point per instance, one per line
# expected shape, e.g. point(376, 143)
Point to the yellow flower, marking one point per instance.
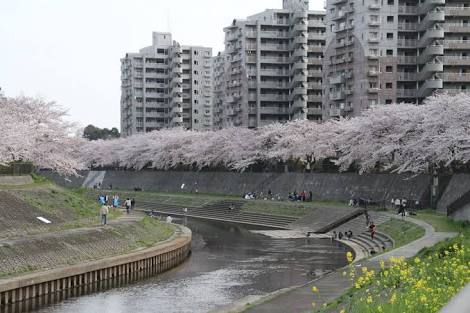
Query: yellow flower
point(342, 311)
point(314, 289)
point(349, 256)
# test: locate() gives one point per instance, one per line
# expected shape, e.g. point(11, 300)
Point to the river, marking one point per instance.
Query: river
point(228, 262)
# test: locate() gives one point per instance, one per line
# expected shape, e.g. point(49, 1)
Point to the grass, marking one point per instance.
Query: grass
point(440, 222)
point(402, 232)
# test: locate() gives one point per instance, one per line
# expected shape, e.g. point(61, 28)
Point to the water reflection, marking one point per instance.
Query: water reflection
point(228, 263)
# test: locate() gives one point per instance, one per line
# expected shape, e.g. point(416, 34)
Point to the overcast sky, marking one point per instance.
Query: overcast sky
point(69, 50)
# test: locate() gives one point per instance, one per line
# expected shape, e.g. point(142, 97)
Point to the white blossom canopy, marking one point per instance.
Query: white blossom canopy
point(400, 138)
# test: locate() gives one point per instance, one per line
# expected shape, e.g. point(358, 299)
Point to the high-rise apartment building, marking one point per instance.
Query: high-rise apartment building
point(166, 85)
point(270, 70)
point(387, 51)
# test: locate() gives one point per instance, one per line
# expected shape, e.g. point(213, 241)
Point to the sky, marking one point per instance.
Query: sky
point(69, 51)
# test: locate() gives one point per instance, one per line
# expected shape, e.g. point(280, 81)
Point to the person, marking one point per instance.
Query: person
point(310, 196)
point(110, 186)
point(104, 214)
point(372, 230)
point(350, 234)
point(128, 205)
point(132, 203)
point(116, 201)
point(351, 202)
point(335, 235)
point(417, 207)
point(366, 214)
point(185, 210)
point(397, 203)
point(169, 219)
point(392, 203)
point(340, 235)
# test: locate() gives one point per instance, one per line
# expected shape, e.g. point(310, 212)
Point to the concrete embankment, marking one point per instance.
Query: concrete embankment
point(151, 261)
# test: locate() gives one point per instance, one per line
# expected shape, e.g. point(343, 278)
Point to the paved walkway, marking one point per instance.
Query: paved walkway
point(333, 285)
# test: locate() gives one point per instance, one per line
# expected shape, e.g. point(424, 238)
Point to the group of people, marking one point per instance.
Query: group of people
point(347, 234)
point(301, 196)
point(114, 202)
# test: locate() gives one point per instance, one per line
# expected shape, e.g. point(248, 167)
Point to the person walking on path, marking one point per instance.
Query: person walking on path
point(128, 205)
point(132, 203)
point(104, 211)
point(372, 230)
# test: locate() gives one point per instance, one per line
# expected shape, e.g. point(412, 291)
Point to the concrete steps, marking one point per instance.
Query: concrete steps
point(226, 210)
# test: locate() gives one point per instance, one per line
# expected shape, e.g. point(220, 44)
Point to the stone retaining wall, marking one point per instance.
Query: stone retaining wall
point(15, 180)
point(153, 261)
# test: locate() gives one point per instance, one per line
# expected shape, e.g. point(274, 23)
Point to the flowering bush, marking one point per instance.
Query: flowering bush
point(421, 285)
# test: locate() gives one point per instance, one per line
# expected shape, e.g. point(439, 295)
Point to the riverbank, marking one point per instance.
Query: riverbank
point(51, 240)
point(335, 284)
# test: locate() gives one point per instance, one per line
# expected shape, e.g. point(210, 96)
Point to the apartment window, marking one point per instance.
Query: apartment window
point(389, 85)
point(389, 52)
point(389, 69)
point(390, 19)
point(196, 73)
point(390, 2)
point(196, 62)
point(196, 92)
point(196, 82)
point(196, 101)
point(374, 52)
point(195, 52)
point(196, 121)
point(196, 111)
point(388, 101)
point(389, 35)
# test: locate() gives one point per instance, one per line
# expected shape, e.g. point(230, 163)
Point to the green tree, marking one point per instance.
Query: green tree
point(94, 133)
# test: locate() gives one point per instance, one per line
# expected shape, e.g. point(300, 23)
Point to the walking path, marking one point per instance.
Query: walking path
point(333, 285)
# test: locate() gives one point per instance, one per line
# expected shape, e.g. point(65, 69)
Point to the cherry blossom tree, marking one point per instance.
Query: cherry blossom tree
point(394, 138)
point(35, 130)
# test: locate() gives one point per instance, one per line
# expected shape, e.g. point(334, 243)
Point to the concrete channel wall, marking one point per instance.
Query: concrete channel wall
point(152, 261)
point(324, 186)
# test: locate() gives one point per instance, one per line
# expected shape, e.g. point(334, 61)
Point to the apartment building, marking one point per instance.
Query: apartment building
point(387, 51)
point(271, 68)
point(166, 85)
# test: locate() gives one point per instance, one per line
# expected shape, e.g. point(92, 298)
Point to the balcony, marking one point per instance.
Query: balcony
point(316, 36)
point(177, 90)
point(334, 112)
point(373, 23)
point(317, 49)
point(273, 72)
point(406, 76)
point(407, 26)
point(373, 73)
point(340, 79)
point(373, 90)
point(373, 39)
point(457, 11)
point(374, 6)
point(274, 97)
point(315, 73)
point(337, 95)
point(316, 23)
point(405, 59)
point(274, 110)
point(457, 44)
point(455, 77)
point(338, 15)
point(314, 111)
point(273, 60)
point(407, 43)
point(402, 9)
point(274, 47)
point(315, 61)
point(456, 60)
point(429, 87)
point(314, 98)
point(314, 85)
point(454, 91)
point(457, 27)
point(406, 93)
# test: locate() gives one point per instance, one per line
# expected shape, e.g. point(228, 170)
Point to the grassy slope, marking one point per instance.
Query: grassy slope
point(402, 232)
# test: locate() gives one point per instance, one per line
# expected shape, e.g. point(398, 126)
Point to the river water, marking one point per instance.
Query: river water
point(228, 262)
